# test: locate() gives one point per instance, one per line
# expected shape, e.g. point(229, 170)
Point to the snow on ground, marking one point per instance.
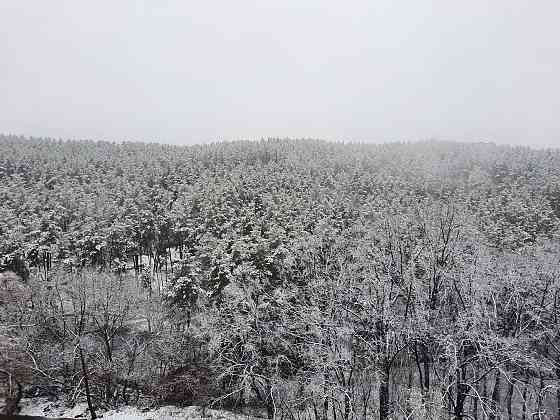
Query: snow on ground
point(45, 407)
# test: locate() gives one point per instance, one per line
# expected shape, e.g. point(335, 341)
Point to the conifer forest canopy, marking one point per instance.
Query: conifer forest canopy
point(288, 279)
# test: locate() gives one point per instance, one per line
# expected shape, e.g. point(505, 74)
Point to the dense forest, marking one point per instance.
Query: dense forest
point(293, 279)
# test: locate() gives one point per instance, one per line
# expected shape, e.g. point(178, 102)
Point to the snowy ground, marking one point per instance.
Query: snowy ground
point(44, 407)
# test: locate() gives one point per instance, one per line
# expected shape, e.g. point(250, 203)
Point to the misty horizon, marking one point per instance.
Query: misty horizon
point(255, 140)
point(178, 73)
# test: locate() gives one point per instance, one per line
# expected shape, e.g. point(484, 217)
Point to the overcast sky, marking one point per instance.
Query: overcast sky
point(192, 71)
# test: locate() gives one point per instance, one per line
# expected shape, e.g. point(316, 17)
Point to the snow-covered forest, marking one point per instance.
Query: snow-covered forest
point(290, 279)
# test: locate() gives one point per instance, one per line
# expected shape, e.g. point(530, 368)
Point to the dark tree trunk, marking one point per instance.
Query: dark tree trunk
point(426, 370)
point(509, 399)
point(475, 408)
point(410, 386)
point(12, 401)
point(268, 399)
point(366, 398)
point(325, 399)
point(475, 400)
point(347, 406)
point(461, 394)
point(384, 395)
point(540, 397)
point(86, 383)
point(558, 403)
point(496, 397)
point(485, 392)
point(524, 409)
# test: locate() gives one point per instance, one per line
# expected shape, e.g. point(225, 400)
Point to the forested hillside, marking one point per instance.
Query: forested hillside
point(302, 279)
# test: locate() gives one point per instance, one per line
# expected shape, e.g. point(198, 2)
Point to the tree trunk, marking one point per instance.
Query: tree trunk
point(426, 370)
point(347, 406)
point(558, 403)
point(475, 408)
point(269, 401)
point(12, 401)
point(475, 400)
point(365, 401)
point(540, 397)
point(409, 410)
point(461, 394)
point(86, 383)
point(496, 396)
point(524, 409)
point(485, 389)
point(509, 398)
point(384, 395)
point(325, 400)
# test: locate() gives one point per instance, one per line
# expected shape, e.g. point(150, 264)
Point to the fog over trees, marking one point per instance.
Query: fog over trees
point(288, 279)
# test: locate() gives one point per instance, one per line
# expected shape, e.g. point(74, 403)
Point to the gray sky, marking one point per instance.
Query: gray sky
point(377, 70)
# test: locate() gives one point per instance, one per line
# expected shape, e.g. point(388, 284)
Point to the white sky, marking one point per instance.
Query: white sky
point(192, 71)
